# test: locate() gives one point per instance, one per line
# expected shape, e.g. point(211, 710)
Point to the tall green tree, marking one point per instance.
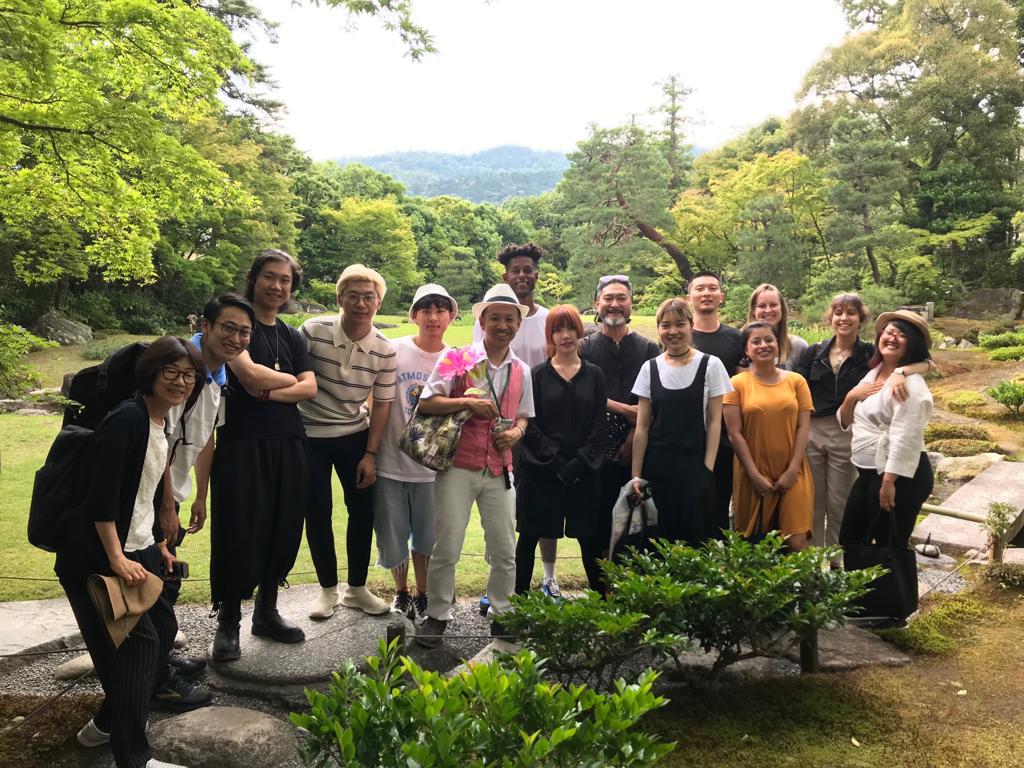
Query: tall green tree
point(678, 153)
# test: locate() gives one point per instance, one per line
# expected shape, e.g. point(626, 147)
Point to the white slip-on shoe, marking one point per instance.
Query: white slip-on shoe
point(324, 604)
point(364, 600)
point(154, 763)
point(91, 736)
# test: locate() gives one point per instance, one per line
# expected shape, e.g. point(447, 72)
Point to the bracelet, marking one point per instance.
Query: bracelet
point(162, 543)
point(372, 453)
point(264, 394)
point(521, 430)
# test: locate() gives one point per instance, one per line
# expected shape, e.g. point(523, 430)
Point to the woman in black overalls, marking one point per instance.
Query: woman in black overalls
point(679, 423)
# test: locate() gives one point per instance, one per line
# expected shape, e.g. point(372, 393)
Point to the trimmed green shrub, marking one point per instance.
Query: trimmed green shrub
point(999, 340)
point(962, 447)
point(1007, 353)
point(1009, 394)
point(1007, 575)
point(15, 343)
point(320, 291)
point(140, 313)
point(965, 401)
point(943, 430)
point(94, 309)
point(502, 714)
point(99, 349)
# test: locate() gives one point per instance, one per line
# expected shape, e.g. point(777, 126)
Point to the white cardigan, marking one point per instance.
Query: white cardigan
point(889, 436)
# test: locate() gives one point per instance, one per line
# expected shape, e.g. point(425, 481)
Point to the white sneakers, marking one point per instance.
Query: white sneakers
point(154, 763)
point(90, 736)
point(364, 600)
point(325, 603)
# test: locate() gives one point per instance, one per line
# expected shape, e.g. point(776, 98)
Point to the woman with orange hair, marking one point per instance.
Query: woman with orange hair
point(559, 488)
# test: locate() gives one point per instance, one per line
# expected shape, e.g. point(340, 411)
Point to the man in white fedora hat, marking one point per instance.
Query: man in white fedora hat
point(482, 465)
point(404, 491)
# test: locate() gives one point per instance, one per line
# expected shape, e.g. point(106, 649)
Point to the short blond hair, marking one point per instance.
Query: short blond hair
point(360, 273)
point(677, 306)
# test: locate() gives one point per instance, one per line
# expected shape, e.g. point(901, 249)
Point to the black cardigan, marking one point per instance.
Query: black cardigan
point(115, 462)
point(827, 389)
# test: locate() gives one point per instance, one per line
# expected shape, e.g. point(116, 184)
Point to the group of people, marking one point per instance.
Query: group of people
point(749, 429)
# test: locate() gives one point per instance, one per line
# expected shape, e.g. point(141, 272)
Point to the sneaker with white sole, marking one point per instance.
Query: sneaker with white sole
point(325, 603)
point(90, 736)
point(364, 600)
point(403, 603)
point(550, 589)
point(419, 604)
point(154, 763)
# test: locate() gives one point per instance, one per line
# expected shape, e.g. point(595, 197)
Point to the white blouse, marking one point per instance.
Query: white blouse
point(888, 436)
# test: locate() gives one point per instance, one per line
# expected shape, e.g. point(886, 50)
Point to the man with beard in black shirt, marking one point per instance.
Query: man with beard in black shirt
point(619, 353)
point(711, 337)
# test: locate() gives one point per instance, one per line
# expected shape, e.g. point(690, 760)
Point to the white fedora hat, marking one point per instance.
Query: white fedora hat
point(432, 289)
point(499, 294)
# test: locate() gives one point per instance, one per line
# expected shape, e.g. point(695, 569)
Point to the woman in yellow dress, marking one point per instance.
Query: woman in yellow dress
point(768, 415)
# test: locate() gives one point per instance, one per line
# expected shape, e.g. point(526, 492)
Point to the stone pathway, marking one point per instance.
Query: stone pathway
point(35, 625)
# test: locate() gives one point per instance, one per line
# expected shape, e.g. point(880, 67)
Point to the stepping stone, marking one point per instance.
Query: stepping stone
point(850, 647)
point(1002, 481)
point(486, 655)
point(224, 737)
point(272, 670)
point(960, 469)
point(35, 625)
point(74, 668)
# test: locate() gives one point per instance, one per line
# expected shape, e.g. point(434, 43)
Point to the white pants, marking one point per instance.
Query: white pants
point(828, 453)
point(454, 494)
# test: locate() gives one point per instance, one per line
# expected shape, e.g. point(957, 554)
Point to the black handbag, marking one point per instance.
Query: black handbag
point(758, 533)
point(893, 595)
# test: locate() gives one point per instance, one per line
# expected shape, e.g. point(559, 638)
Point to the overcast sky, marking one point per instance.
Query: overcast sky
point(537, 72)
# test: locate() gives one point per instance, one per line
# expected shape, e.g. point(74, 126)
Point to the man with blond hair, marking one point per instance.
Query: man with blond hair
point(351, 360)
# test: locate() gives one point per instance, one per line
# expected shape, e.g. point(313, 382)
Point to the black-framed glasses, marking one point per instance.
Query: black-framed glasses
point(231, 329)
point(170, 373)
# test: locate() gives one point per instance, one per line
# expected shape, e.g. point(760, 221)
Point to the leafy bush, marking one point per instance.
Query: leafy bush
point(737, 303)
point(999, 519)
point(15, 343)
point(999, 340)
point(881, 298)
point(1009, 394)
point(939, 630)
point(962, 447)
point(94, 309)
point(140, 313)
point(296, 319)
point(945, 431)
point(320, 291)
point(1007, 353)
point(731, 598)
point(498, 714)
point(1007, 575)
point(99, 349)
point(965, 401)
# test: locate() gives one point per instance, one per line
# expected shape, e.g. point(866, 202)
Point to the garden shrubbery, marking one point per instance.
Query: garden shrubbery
point(504, 713)
point(94, 309)
point(943, 430)
point(1009, 394)
point(1001, 340)
point(962, 447)
point(15, 343)
point(731, 598)
point(966, 401)
point(1003, 354)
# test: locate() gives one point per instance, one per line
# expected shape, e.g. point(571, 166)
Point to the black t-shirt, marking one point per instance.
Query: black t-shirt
point(724, 344)
point(245, 416)
point(620, 362)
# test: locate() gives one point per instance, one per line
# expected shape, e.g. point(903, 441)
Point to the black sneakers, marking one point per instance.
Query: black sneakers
point(181, 695)
point(187, 669)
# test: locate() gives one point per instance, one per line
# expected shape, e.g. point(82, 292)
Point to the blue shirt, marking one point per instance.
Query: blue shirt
point(220, 376)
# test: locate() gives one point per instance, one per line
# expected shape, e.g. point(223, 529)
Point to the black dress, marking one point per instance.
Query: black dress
point(558, 490)
point(683, 487)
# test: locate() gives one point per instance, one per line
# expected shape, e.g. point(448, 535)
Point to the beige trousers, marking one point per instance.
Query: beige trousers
point(828, 453)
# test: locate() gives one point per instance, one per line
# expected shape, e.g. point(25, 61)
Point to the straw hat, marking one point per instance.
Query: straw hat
point(911, 317)
point(499, 294)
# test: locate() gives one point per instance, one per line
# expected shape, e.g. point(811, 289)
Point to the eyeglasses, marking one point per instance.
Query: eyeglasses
point(231, 329)
point(607, 280)
point(170, 373)
point(360, 298)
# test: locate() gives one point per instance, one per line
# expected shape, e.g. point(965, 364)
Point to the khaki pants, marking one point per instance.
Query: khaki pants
point(454, 494)
point(828, 453)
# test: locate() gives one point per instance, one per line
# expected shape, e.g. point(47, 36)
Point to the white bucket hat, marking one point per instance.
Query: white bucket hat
point(499, 294)
point(432, 289)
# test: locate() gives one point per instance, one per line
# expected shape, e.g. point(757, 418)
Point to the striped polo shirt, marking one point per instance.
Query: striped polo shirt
point(347, 373)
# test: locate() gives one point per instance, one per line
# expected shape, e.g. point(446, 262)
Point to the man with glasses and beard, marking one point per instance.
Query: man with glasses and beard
point(620, 353)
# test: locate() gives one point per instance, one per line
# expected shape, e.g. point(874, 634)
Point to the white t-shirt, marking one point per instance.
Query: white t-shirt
point(414, 367)
point(530, 345)
point(198, 427)
point(439, 386)
point(716, 380)
point(140, 531)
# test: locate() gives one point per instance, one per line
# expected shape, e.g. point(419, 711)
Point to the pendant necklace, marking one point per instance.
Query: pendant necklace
point(277, 344)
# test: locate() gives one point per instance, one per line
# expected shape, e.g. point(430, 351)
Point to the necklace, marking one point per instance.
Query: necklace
point(276, 352)
point(685, 354)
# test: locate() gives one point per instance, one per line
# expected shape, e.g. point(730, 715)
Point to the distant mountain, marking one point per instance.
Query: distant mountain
point(490, 176)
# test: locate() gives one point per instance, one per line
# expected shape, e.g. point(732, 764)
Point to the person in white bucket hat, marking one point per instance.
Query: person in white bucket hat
point(499, 393)
point(404, 491)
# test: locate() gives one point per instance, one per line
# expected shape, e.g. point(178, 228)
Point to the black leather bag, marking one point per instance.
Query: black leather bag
point(758, 530)
point(893, 595)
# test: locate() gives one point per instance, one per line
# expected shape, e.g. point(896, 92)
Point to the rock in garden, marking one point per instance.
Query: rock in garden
point(964, 468)
point(74, 668)
point(965, 344)
point(224, 737)
point(56, 326)
point(32, 412)
point(949, 341)
point(934, 458)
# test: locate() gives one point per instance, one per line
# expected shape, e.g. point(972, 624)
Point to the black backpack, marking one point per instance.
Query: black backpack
point(98, 389)
point(60, 484)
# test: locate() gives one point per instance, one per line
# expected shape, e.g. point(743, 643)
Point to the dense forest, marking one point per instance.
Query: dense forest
point(130, 192)
point(490, 176)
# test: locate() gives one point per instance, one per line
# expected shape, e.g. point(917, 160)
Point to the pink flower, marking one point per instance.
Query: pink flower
point(458, 362)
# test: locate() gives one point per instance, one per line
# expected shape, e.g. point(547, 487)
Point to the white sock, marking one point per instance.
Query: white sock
point(549, 570)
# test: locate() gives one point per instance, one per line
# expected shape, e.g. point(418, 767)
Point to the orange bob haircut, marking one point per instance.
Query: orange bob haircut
point(561, 316)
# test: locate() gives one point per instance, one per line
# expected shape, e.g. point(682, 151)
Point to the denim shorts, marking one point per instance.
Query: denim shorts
point(402, 511)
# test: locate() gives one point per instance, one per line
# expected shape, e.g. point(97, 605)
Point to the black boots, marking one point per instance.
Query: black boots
point(225, 642)
point(267, 622)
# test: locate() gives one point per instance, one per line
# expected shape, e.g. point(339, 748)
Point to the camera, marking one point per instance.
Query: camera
point(179, 570)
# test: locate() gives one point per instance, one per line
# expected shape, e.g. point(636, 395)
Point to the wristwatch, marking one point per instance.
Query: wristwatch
point(901, 371)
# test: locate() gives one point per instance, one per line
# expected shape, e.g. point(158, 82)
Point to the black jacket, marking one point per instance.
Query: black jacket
point(828, 390)
point(117, 455)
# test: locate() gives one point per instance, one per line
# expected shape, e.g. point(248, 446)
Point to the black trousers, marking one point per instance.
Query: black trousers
point(723, 486)
point(257, 503)
point(341, 455)
point(526, 548)
point(613, 477)
point(863, 508)
point(128, 674)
